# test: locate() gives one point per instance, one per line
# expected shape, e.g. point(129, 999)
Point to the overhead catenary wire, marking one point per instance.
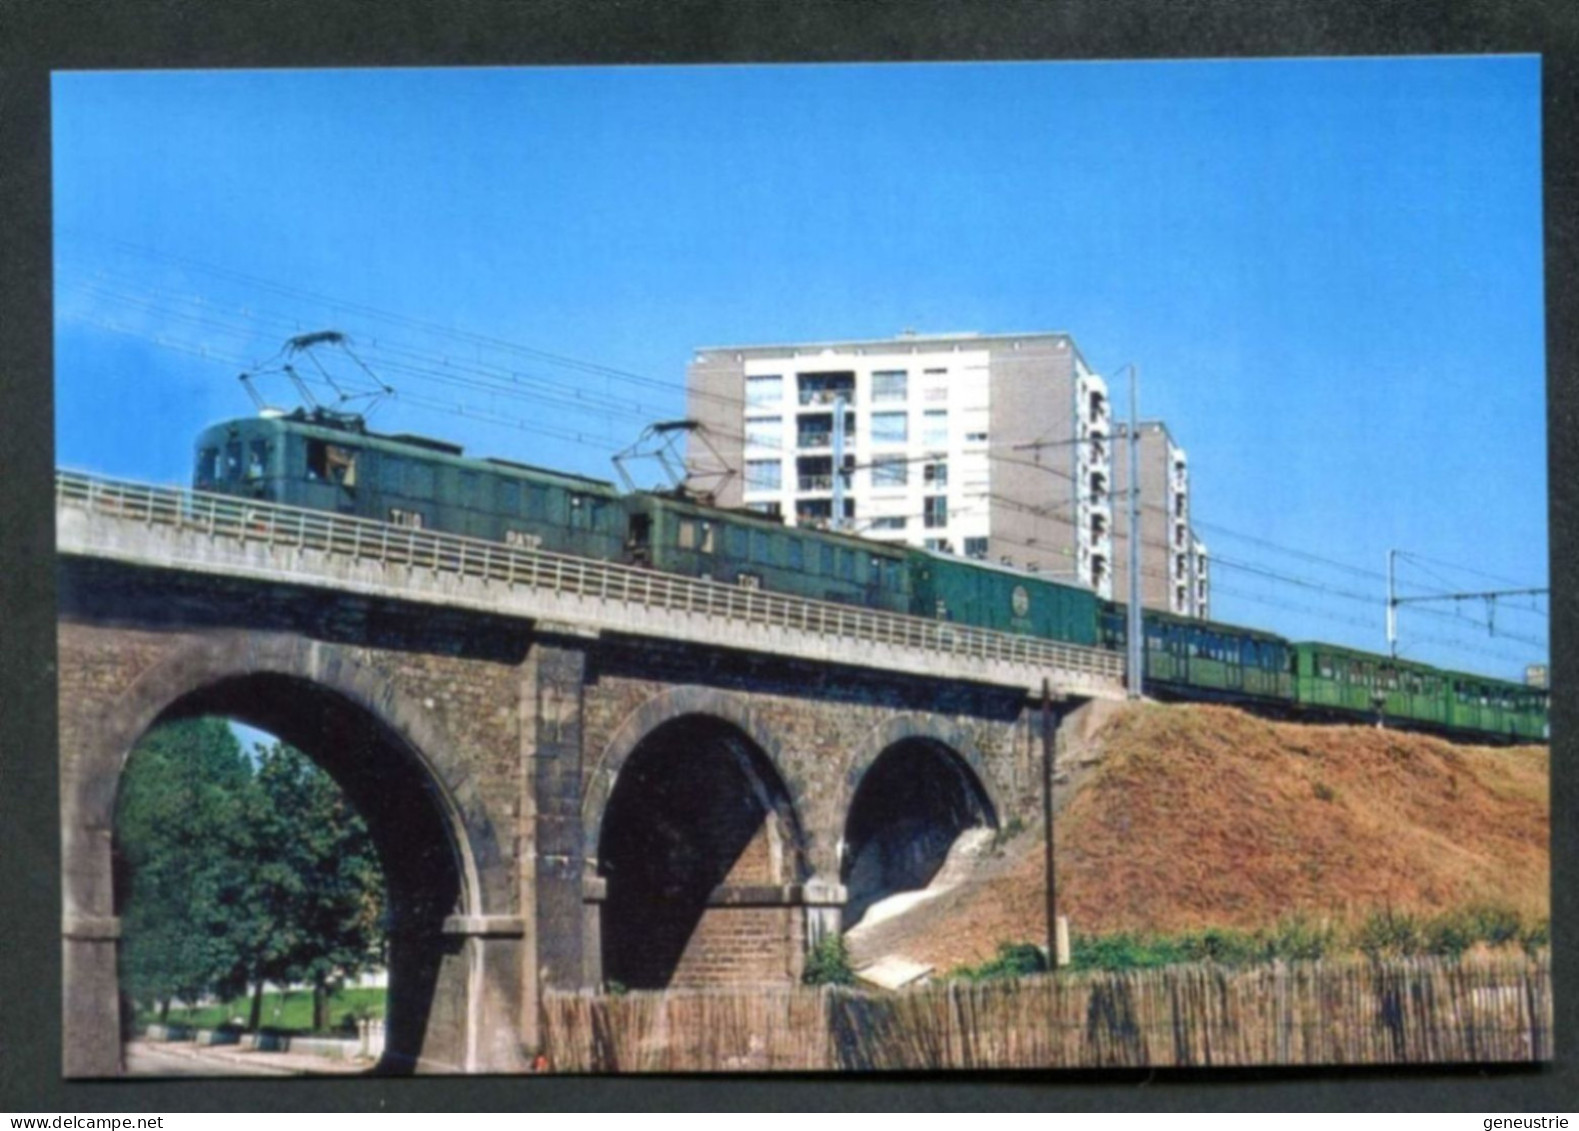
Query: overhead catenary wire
point(480, 378)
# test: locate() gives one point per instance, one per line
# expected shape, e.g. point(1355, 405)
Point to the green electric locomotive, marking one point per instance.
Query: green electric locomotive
point(329, 461)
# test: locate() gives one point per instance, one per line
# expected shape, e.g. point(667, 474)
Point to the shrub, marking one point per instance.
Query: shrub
point(1222, 945)
point(1496, 926)
point(1325, 792)
point(1450, 935)
point(828, 963)
point(1014, 960)
point(1391, 933)
point(1297, 939)
point(1536, 936)
point(1124, 952)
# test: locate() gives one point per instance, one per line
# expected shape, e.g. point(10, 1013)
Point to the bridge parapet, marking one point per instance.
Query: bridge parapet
point(172, 528)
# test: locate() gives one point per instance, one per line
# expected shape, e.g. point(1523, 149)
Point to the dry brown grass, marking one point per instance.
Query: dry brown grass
point(1204, 816)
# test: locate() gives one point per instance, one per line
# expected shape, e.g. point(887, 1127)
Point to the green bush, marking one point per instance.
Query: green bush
point(1222, 945)
point(828, 963)
point(1013, 960)
point(1394, 934)
point(1450, 935)
point(1496, 926)
point(1124, 951)
point(1297, 939)
point(1536, 936)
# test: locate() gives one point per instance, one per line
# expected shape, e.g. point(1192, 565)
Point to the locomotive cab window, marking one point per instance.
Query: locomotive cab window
point(331, 463)
point(257, 459)
point(208, 466)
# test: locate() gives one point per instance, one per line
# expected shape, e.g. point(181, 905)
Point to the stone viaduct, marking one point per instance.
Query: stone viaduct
point(568, 785)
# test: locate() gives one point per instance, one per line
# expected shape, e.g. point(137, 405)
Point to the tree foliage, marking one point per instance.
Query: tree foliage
point(182, 838)
point(235, 870)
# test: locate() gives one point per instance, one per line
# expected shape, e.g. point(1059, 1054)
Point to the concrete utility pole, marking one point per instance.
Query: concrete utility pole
point(838, 462)
point(1133, 635)
point(1048, 746)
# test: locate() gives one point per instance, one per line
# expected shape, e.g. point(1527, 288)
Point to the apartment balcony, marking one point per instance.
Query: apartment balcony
point(825, 388)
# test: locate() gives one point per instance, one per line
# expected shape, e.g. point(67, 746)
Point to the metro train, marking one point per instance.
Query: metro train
point(330, 461)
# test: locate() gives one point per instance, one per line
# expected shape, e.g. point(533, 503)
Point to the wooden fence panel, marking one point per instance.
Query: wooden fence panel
point(1420, 1010)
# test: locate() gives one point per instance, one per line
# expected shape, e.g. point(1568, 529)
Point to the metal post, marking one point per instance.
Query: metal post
point(1134, 631)
point(838, 462)
point(1047, 823)
point(1392, 609)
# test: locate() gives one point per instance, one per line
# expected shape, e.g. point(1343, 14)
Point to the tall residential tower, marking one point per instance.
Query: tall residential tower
point(992, 446)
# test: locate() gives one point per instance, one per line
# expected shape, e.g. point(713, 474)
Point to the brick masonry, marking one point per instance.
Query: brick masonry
point(486, 753)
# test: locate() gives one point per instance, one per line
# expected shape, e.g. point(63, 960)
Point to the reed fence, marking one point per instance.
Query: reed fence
point(1404, 1011)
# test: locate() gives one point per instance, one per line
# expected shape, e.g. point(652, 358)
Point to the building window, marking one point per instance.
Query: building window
point(940, 545)
point(768, 432)
point(975, 437)
point(764, 475)
point(764, 392)
point(889, 522)
point(772, 510)
point(890, 428)
point(976, 548)
point(890, 471)
point(888, 385)
point(934, 429)
point(935, 474)
point(934, 511)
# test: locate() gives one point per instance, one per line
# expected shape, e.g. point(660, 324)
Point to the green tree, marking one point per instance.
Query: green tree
point(235, 871)
point(318, 887)
point(182, 846)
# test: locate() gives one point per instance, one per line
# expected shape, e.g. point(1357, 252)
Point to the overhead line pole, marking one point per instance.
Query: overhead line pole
point(1489, 596)
point(1133, 634)
point(838, 462)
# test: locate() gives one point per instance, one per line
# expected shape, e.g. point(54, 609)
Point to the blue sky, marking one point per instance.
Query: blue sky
point(1328, 272)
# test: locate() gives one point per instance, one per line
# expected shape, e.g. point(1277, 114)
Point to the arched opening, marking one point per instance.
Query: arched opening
point(697, 843)
point(912, 807)
point(412, 830)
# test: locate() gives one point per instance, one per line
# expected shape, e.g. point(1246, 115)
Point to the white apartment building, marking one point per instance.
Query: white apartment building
point(1174, 562)
point(991, 446)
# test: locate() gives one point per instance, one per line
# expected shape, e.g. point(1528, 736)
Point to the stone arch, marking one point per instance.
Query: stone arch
point(450, 878)
point(913, 791)
point(666, 706)
point(697, 848)
point(897, 729)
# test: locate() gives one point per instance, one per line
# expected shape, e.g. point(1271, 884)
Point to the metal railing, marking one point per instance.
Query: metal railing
point(274, 525)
